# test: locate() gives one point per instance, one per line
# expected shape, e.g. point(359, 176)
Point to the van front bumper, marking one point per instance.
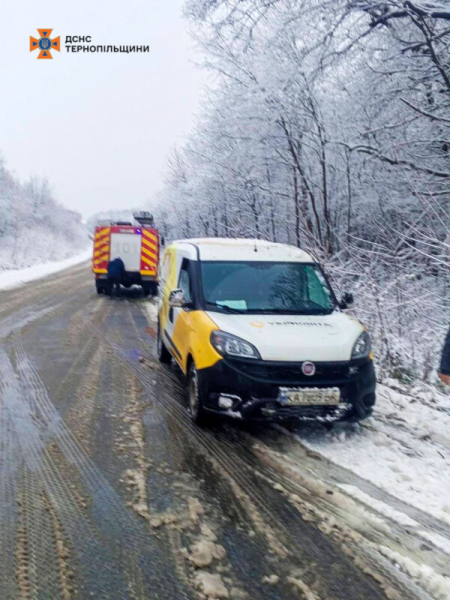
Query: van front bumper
point(250, 389)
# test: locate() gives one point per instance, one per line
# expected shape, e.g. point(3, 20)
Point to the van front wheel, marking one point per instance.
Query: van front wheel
point(195, 397)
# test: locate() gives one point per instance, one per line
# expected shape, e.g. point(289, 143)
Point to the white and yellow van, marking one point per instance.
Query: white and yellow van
point(259, 334)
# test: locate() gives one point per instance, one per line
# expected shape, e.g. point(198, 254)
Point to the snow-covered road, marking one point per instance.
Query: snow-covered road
point(108, 490)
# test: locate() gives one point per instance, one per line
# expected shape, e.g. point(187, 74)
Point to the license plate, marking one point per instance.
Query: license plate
point(310, 396)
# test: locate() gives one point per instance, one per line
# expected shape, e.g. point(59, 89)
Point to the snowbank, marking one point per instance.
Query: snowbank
point(404, 449)
point(16, 277)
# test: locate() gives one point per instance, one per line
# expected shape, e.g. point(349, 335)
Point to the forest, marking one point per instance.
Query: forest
point(326, 124)
point(34, 227)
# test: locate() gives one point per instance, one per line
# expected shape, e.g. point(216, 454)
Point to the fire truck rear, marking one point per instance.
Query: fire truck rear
point(137, 245)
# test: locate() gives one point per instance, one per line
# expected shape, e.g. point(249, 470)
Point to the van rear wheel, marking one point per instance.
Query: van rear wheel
point(195, 398)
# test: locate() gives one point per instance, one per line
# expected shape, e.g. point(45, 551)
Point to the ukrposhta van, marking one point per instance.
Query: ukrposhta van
point(259, 333)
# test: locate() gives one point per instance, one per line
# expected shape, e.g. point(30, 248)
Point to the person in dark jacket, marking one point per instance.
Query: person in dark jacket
point(444, 371)
point(116, 271)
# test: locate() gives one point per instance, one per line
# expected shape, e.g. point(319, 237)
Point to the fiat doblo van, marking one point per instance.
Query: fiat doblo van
point(259, 334)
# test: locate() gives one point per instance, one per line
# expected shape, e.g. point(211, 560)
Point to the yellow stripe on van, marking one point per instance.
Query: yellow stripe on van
point(191, 336)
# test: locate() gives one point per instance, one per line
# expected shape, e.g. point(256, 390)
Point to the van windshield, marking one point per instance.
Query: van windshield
point(265, 288)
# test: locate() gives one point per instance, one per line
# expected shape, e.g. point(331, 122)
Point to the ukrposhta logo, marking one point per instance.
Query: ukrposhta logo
point(45, 44)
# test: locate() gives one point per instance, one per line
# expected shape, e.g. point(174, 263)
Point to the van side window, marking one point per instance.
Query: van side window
point(185, 280)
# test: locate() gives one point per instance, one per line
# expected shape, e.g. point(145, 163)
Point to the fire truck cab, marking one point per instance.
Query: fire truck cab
point(136, 244)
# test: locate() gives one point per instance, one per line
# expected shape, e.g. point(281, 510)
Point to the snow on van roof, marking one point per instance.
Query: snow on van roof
point(246, 249)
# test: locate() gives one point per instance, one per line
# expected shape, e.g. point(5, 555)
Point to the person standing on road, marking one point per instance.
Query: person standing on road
point(444, 370)
point(116, 270)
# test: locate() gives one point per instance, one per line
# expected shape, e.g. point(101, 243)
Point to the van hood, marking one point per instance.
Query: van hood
point(318, 338)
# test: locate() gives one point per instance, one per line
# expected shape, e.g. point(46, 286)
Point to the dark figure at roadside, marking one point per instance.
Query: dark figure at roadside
point(444, 371)
point(116, 271)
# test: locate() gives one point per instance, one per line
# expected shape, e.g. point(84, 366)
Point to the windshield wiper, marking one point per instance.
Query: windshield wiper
point(225, 307)
point(291, 311)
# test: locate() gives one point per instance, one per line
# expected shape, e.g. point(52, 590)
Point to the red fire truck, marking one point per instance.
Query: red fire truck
point(138, 247)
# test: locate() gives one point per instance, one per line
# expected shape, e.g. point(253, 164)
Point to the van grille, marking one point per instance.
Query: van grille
point(285, 373)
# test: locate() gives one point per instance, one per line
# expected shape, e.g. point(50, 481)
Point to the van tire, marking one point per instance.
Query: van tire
point(164, 355)
point(195, 398)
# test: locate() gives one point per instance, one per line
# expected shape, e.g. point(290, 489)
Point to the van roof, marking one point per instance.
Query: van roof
point(246, 249)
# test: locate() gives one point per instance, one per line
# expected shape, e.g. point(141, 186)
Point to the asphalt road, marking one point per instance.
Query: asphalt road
point(107, 490)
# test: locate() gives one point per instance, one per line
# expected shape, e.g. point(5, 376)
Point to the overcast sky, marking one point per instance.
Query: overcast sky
point(98, 126)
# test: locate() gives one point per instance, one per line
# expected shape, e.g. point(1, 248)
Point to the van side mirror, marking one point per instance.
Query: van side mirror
point(347, 300)
point(177, 298)
point(163, 241)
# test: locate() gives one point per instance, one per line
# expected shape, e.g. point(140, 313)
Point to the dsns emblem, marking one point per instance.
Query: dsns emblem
point(308, 368)
point(45, 44)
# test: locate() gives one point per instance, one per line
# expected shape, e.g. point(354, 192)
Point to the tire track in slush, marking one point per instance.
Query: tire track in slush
point(8, 498)
point(24, 317)
point(111, 517)
point(36, 422)
point(35, 553)
point(38, 461)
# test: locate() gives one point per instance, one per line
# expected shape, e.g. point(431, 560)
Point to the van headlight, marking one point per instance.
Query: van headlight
point(231, 345)
point(362, 346)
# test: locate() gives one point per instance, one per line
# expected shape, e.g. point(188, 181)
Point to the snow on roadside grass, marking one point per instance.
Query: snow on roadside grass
point(404, 448)
point(432, 582)
point(378, 505)
point(15, 277)
point(440, 542)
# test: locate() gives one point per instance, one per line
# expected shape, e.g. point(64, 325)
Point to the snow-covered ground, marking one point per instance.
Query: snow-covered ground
point(384, 483)
point(404, 448)
point(15, 277)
